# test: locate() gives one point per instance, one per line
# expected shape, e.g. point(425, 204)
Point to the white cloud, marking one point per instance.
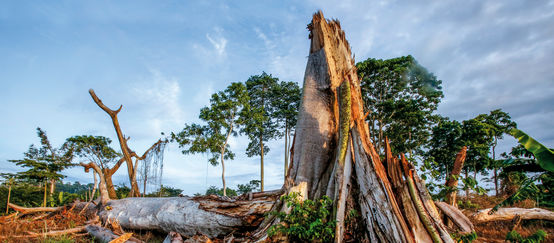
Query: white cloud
point(218, 42)
point(159, 95)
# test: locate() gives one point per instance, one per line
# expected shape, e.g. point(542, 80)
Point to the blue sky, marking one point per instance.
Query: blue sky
point(163, 59)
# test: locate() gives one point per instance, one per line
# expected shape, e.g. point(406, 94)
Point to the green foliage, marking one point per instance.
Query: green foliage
point(246, 188)
point(470, 183)
point(544, 156)
point(45, 163)
point(465, 238)
point(444, 144)
point(467, 204)
point(122, 191)
point(165, 191)
point(308, 220)
point(401, 96)
point(514, 237)
point(213, 190)
point(94, 149)
point(259, 126)
point(221, 120)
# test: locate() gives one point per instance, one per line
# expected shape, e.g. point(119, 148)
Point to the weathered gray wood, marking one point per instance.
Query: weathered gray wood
point(382, 223)
point(456, 216)
point(510, 213)
point(179, 214)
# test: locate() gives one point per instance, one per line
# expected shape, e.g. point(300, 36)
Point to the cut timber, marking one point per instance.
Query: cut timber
point(510, 213)
point(184, 215)
point(454, 214)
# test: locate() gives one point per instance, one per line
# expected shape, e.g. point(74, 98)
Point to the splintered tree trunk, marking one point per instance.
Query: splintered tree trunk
point(452, 180)
point(333, 149)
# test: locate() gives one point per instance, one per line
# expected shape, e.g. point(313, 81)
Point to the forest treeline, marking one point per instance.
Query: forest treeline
point(400, 97)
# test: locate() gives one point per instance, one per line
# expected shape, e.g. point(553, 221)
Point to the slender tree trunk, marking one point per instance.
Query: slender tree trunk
point(9, 194)
point(495, 168)
point(262, 164)
point(52, 186)
point(223, 162)
point(467, 188)
point(286, 150)
point(44, 200)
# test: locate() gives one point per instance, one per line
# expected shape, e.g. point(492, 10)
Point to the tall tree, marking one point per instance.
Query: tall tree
point(400, 96)
point(477, 136)
point(222, 119)
point(45, 163)
point(285, 103)
point(499, 123)
point(259, 125)
point(445, 142)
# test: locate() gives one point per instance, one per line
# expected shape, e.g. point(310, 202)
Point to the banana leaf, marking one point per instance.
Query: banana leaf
point(544, 156)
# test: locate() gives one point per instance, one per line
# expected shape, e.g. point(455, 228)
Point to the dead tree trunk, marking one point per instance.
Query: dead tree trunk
point(332, 149)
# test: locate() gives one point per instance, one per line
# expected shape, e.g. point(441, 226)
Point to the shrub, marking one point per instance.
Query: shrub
point(308, 220)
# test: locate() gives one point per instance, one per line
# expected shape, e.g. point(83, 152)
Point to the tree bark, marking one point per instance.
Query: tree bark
point(122, 141)
point(187, 216)
point(456, 216)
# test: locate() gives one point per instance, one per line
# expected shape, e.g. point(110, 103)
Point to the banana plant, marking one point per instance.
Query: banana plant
point(544, 158)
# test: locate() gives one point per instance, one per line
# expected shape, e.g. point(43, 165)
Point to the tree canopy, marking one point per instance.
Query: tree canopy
point(400, 96)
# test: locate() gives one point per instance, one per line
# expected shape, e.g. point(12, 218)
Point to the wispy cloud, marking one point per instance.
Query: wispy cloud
point(218, 41)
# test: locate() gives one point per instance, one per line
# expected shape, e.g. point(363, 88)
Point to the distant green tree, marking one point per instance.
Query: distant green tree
point(96, 149)
point(499, 123)
point(222, 120)
point(443, 146)
point(246, 188)
point(285, 103)
point(166, 191)
point(259, 125)
point(45, 163)
point(400, 96)
point(213, 190)
point(477, 136)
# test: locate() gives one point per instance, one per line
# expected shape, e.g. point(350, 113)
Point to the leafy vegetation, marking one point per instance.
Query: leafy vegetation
point(308, 221)
point(514, 237)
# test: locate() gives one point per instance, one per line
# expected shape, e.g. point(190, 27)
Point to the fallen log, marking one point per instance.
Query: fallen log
point(59, 232)
point(456, 216)
point(510, 213)
point(24, 210)
point(185, 215)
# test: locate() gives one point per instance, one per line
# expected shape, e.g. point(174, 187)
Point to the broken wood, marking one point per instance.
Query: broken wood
point(59, 232)
point(456, 216)
point(173, 237)
point(24, 210)
point(452, 179)
point(509, 214)
point(107, 236)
